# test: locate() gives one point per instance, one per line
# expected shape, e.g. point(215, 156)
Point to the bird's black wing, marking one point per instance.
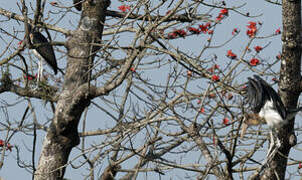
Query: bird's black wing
point(271, 94)
point(255, 95)
point(45, 50)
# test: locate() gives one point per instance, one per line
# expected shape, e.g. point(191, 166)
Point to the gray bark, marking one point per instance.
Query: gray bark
point(289, 86)
point(62, 134)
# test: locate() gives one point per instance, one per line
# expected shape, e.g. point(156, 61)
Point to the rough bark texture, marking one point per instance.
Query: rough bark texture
point(289, 83)
point(62, 134)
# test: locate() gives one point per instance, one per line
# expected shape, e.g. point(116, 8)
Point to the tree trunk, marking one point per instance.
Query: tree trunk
point(289, 86)
point(62, 134)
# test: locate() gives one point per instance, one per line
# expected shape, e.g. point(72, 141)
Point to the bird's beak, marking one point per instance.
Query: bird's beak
point(243, 129)
point(250, 120)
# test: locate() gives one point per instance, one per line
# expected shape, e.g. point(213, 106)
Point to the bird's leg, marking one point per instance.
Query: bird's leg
point(40, 71)
point(274, 146)
point(270, 148)
point(272, 143)
point(268, 155)
point(39, 67)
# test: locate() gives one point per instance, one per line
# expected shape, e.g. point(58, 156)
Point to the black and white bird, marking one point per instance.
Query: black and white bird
point(267, 104)
point(267, 107)
point(43, 51)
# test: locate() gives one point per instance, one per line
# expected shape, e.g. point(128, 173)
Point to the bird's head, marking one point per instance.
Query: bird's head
point(250, 119)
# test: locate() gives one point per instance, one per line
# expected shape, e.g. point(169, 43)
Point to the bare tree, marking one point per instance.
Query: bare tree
point(166, 90)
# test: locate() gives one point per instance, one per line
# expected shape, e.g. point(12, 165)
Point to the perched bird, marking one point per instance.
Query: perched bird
point(44, 50)
point(267, 104)
point(267, 107)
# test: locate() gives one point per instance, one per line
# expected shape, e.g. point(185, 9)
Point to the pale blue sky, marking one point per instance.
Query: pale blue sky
point(271, 19)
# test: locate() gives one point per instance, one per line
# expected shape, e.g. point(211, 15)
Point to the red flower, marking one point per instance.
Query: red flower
point(189, 73)
point(215, 78)
point(278, 31)
point(300, 165)
point(53, 3)
point(9, 147)
point(124, 8)
point(198, 101)
point(224, 12)
point(201, 110)
point(193, 30)
point(235, 31)
point(252, 29)
point(172, 35)
point(28, 77)
point(216, 66)
point(219, 17)
point(251, 32)
point(132, 69)
point(231, 55)
point(20, 42)
point(225, 121)
point(180, 32)
point(252, 25)
point(278, 56)
point(258, 48)
point(275, 80)
point(203, 28)
point(254, 62)
point(210, 32)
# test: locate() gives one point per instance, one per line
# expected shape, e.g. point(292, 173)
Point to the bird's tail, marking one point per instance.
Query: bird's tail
point(291, 113)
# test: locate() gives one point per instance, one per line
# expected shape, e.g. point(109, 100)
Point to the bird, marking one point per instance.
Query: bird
point(44, 50)
point(267, 107)
point(267, 104)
